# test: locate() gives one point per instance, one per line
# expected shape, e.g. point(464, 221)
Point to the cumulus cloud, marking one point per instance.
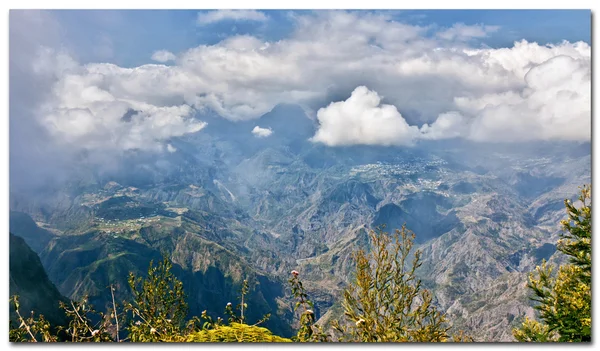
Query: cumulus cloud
point(448, 125)
point(163, 56)
point(236, 15)
point(261, 132)
point(87, 107)
point(555, 104)
point(362, 119)
point(434, 86)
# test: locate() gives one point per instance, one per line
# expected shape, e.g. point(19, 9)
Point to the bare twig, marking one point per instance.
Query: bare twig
point(81, 319)
point(112, 289)
point(137, 312)
point(26, 326)
point(242, 314)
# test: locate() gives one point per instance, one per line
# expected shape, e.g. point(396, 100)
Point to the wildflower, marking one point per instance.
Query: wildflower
point(310, 312)
point(95, 332)
point(152, 330)
point(295, 273)
point(229, 304)
point(138, 323)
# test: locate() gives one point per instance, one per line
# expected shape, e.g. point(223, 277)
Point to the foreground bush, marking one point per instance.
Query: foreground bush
point(235, 332)
point(385, 303)
point(564, 299)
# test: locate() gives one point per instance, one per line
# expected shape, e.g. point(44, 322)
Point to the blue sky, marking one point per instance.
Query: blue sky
point(129, 37)
point(542, 26)
point(364, 77)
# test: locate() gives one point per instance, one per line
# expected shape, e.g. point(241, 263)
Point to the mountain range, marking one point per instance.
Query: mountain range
point(226, 205)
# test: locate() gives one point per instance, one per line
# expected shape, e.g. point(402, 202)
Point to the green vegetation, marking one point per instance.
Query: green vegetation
point(30, 329)
point(235, 332)
point(385, 302)
point(564, 299)
point(159, 307)
point(29, 281)
point(156, 314)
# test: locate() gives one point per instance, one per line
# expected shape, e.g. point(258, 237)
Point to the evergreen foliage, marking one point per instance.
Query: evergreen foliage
point(564, 299)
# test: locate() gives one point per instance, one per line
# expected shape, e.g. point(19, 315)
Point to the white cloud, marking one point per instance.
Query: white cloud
point(554, 105)
point(261, 132)
point(163, 56)
point(496, 92)
point(463, 32)
point(361, 119)
point(447, 125)
point(236, 15)
point(88, 105)
point(171, 148)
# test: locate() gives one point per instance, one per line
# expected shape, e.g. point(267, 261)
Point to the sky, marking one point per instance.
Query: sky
point(129, 37)
point(105, 82)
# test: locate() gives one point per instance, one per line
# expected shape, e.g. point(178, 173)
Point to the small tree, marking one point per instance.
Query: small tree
point(385, 302)
point(309, 330)
point(233, 318)
point(564, 300)
point(158, 307)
